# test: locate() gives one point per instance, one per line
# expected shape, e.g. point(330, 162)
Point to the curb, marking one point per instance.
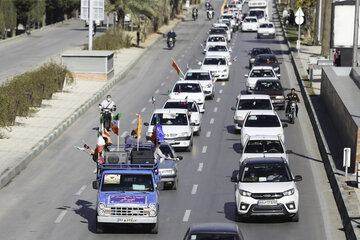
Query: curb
point(343, 205)
point(42, 144)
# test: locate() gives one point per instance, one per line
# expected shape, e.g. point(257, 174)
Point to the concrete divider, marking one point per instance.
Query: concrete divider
point(343, 205)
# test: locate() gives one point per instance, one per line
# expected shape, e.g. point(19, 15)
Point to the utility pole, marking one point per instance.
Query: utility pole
point(356, 34)
point(90, 25)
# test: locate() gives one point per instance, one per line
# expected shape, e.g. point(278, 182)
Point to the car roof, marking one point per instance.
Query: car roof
point(214, 56)
point(257, 48)
point(179, 100)
point(216, 35)
point(197, 70)
point(263, 137)
point(214, 227)
point(170, 110)
point(254, 96)
point(259, 160)
point(187, 81)
point(251, 17)
point(261, 67)
point(262, 112)
point(267, 22)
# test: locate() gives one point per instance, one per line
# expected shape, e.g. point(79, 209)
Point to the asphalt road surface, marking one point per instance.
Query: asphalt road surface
point(53, 199)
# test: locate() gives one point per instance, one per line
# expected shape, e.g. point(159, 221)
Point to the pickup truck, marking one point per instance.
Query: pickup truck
point(127, 194)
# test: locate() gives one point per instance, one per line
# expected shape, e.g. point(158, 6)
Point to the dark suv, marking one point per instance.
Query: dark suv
point(256, 51)
point(267, 60)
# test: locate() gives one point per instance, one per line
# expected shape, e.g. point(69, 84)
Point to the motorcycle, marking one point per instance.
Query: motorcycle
point(106, 116)
point(171, 43)
point(210, 14)
point(194, 16)
point(292, 113)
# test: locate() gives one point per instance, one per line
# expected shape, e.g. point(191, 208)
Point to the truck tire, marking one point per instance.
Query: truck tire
point(154, 228)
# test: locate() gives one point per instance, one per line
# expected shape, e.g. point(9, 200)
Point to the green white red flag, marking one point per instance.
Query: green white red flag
point(115, 124)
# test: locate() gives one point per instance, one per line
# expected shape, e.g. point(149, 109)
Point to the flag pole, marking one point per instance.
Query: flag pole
point(118, 136)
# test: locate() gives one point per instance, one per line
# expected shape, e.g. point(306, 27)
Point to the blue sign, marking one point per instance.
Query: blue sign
point(127, 199)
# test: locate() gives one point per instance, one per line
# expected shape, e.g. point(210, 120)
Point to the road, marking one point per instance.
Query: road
point(52, 198)
point(26, 53)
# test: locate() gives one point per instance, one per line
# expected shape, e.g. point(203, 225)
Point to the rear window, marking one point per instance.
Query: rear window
point(214, 61)
point(266, 25)
point(187, 87)
point(250, 20)
point(254, 104)
point(167, 119)
point(217, 31)
point(257, 51)
point(266, 59)
point(197, 76)
point(216, 39)
point(268, 86)
point(190, 106)
point(263, 146)
point(217, 48)
point(262, 121)
point(258, 73)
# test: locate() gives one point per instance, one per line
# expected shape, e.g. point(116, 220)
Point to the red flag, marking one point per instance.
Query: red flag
point(176, 66)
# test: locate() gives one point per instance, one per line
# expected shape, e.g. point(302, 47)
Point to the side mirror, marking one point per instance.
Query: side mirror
point(199, 63)
point(230, 50)
point(298, 178)
point(285, 125)
point(192, 124)
point(179, 158)
point(233, 108)
point(229, 63)
point(146, 123)
point(202, 110)
point(95, 185)
point(234, 179)
point(278, 75)
point(246, 75)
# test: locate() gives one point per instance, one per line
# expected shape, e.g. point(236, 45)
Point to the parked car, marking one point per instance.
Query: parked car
point(267, 60)
point(273, 88)
point(266, 186)
point(256, 51)
point(212, 231)
point(266, 30)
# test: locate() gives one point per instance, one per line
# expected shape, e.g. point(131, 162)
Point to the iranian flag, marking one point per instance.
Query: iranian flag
point(105, 134)
point(100, 144)
point(115, 124)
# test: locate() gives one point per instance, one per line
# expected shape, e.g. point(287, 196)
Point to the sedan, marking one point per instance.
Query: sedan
point(266, 30)
point(210, 231)
point(218, 66)
point(272, 88)
point(258, 73)
point(267, 60)
point(206, 80)
point(249, 24)
point(218, 50)
point(256, 51)
point(215, 40)
point(220, 31)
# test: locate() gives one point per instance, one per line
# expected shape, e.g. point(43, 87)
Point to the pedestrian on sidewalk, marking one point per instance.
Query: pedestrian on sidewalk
point(285, 16)
point(138, 36)
point(336, 59)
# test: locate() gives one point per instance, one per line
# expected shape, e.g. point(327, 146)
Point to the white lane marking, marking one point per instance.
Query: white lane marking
point(220, 91)
point(171, 70)
point(208, 134)
point(157, 91)
point(186, 215)
point(150, 100)
point(194, 189)
point(61, 216)
point(215, 109)
point(134, 121)
point(212, 121)
point(163, 83)
point(123, 134)
point(78, 193)
point(204, 149)
point(218, 99)
point(200, 168)
point(223, 84)
point(143, 110)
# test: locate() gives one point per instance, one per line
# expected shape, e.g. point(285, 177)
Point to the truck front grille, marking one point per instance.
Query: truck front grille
point(127, 211)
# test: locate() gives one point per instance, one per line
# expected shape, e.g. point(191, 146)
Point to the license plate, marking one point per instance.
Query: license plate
point(267, 202)
point(265, 34)
point(126, 220)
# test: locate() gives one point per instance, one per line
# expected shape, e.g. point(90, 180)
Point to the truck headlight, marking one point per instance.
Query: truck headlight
point(152, 213)
point(289, 192)
point(244, 193)
point(152, 206)
point(101, 209)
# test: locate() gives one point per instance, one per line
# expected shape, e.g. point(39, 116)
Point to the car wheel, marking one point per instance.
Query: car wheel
point(295, 218)
point(154, 228)
point(99, 227)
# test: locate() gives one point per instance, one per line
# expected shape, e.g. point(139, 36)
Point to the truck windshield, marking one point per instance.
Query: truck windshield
point(127, 182)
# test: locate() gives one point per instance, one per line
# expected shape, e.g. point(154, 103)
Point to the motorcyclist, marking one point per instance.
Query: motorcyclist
point(107, 103)
point(210, 10)
point(194, 12)
point(292, 96)
point(172, 35)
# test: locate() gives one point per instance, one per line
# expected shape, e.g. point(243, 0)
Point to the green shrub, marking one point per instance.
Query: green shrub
point(111, 40)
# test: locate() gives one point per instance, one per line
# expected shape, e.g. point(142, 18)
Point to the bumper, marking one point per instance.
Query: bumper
point(196, 128)
point(266, 35)
point(249, 29)
point(222, 75)
point(120, 219)
point(168, 179)
point(278, 103)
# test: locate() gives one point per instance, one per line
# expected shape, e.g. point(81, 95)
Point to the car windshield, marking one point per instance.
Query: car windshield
point(189, 105)
point(262, 121)
point(257, 51)
point(258, 73)
point(250, 20)
point(266, 86)
point(266, 25)
point(224, 27)
point(256, 13)
point(263, 146)
point(176, 119)
point(254, 104)
point(127, 182)
point(165, 149)
point(266, 59)
point(265, 172)
point(187, 87)
point(216, 39)
point(213, 236)
point(197, 76)
point(226, 16)
point(217, 48)
point(217, 31)
point(214, 61)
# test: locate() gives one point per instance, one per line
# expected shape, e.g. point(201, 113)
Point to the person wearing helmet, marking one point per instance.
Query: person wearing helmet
point(292, 96)
point(172, 35)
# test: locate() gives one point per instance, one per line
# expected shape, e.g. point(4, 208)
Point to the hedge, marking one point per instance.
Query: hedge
point(27, 90)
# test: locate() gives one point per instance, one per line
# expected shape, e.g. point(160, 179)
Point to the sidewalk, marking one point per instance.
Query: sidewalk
point(29, 136)
point(345, 192)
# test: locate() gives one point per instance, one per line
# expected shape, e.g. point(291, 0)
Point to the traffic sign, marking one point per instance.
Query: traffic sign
point(299, 20)
point(98, 10)
point(299, 12)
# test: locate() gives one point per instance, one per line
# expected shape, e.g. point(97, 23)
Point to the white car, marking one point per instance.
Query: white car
point(225, 27)
point(261, 122)
point(189, 90)
point(219, 31)
point(249, 102)
point(218, 66)
point(175, 125)
point(249, 24)
point(206, 80)
point(264, 146)
point(218, 50)
point(257, 73)
point(229, 16)
point(266, 30)
point(193, 109)
point(266, 187)
point(215, 40)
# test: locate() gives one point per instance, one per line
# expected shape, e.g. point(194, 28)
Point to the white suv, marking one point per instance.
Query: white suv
point(265, 186)
point(218, 66)
point(262, 122)
point(263, 146)
point(257, 73)
point(175, 125)
point(246, 103)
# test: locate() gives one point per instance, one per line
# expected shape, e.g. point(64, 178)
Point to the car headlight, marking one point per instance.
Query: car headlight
point(183, 134)
point(239, 118)
point(101, 209)
point(276, 68)
point(244, 193)
point(225, 70)
point(209, 85)
point(252, 60)
point(199, 100)
point(289, 192)
point(152, 213)
point(279, 97)
point(152, 206)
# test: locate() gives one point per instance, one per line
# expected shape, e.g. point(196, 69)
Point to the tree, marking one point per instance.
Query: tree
point(7, 17)
point(23, 7)
point(308, 7)
point(326, 27)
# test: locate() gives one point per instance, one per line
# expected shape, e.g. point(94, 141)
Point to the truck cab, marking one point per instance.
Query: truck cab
point(127, 194)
